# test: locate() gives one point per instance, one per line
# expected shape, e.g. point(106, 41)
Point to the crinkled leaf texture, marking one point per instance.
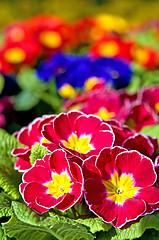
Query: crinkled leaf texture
point(5, 205)
point(135, 230)
point(37, 152)
point(26, 225)
point(9, 181)
point(95, 224)
point(7, 143)
point(2, 235)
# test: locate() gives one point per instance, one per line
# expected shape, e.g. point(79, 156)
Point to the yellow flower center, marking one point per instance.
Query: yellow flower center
point(104, 114)
point(80, 145)
point(67, 91)
point(90, 83)
point(109, 49)
point(141, 56)
point(50, 39)
point(111, 23)
point(60, 185)
point(157, 107)
point(120, 188)
point(14, 55)
point(44, 140)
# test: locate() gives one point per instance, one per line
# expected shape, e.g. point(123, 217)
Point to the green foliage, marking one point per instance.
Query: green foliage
point(34, 90)
point(37, 152)
point(95, 224)
point(25, 101)
point(5, 205)
point(142, 78)
point(1, 83)
point(26, 224)
point(9, 181)
point(134, 230)
point(7, 143)
point(153, 131)
point(2, 235)
point(150, 235)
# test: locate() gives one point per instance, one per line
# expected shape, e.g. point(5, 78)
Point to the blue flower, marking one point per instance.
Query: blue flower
point(120, 71)
point(74, 71)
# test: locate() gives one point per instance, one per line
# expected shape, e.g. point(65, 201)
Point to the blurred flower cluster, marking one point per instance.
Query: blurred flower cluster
point(79, 119)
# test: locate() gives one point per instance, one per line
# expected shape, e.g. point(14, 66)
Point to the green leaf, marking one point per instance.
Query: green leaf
point(2, 234)
point(135, 230)
point(7, 143)
point(1, 83)
point(9, 181)
point(95, 224)
point(150, 234)
point(37, 152)
point(5, 205)
point(27, 80)
point(134, 84)
point(153, 131)
point(25, 224)
point(25, 214)
point(61, 231)
point(25, 100)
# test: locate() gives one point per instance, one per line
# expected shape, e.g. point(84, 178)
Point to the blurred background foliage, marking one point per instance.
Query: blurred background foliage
point(132, 10)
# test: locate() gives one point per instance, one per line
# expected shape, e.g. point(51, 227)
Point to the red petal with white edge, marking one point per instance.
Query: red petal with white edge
point(71, 198)
point(21, 187)
point(24, 137)
point(149, 194)
point(106, 160)
point(39, 209)
point(89, 168)
point(49, 133)
point(95, 191)
point(76, 171)
point(105, 126)
point(86, 125)
point(34, 132)
point(64, 124)
point(102, 139)
point(19, 151)
point(59, 162)
point(106, 209)
point(37, 174)
point(130, 210)
point(48, 200)
point(32, 191)
point(140, 166)
point(140, 143)
point(22, 164)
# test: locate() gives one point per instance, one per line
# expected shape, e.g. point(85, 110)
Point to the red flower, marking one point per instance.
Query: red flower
point(53, 181)
point(17, 53)
point(110, 46)
point(29, 136)
point(151, 97)
point(50, 32)
point(79, 134)
point(119, 185)
point(141, 115)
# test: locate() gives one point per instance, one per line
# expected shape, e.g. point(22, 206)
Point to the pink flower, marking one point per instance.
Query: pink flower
point(119, 185)
point(29, 136)
point(52, 181)
point(99, 102)
point(151, 97)
point(79, 134)
point(141, 115)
